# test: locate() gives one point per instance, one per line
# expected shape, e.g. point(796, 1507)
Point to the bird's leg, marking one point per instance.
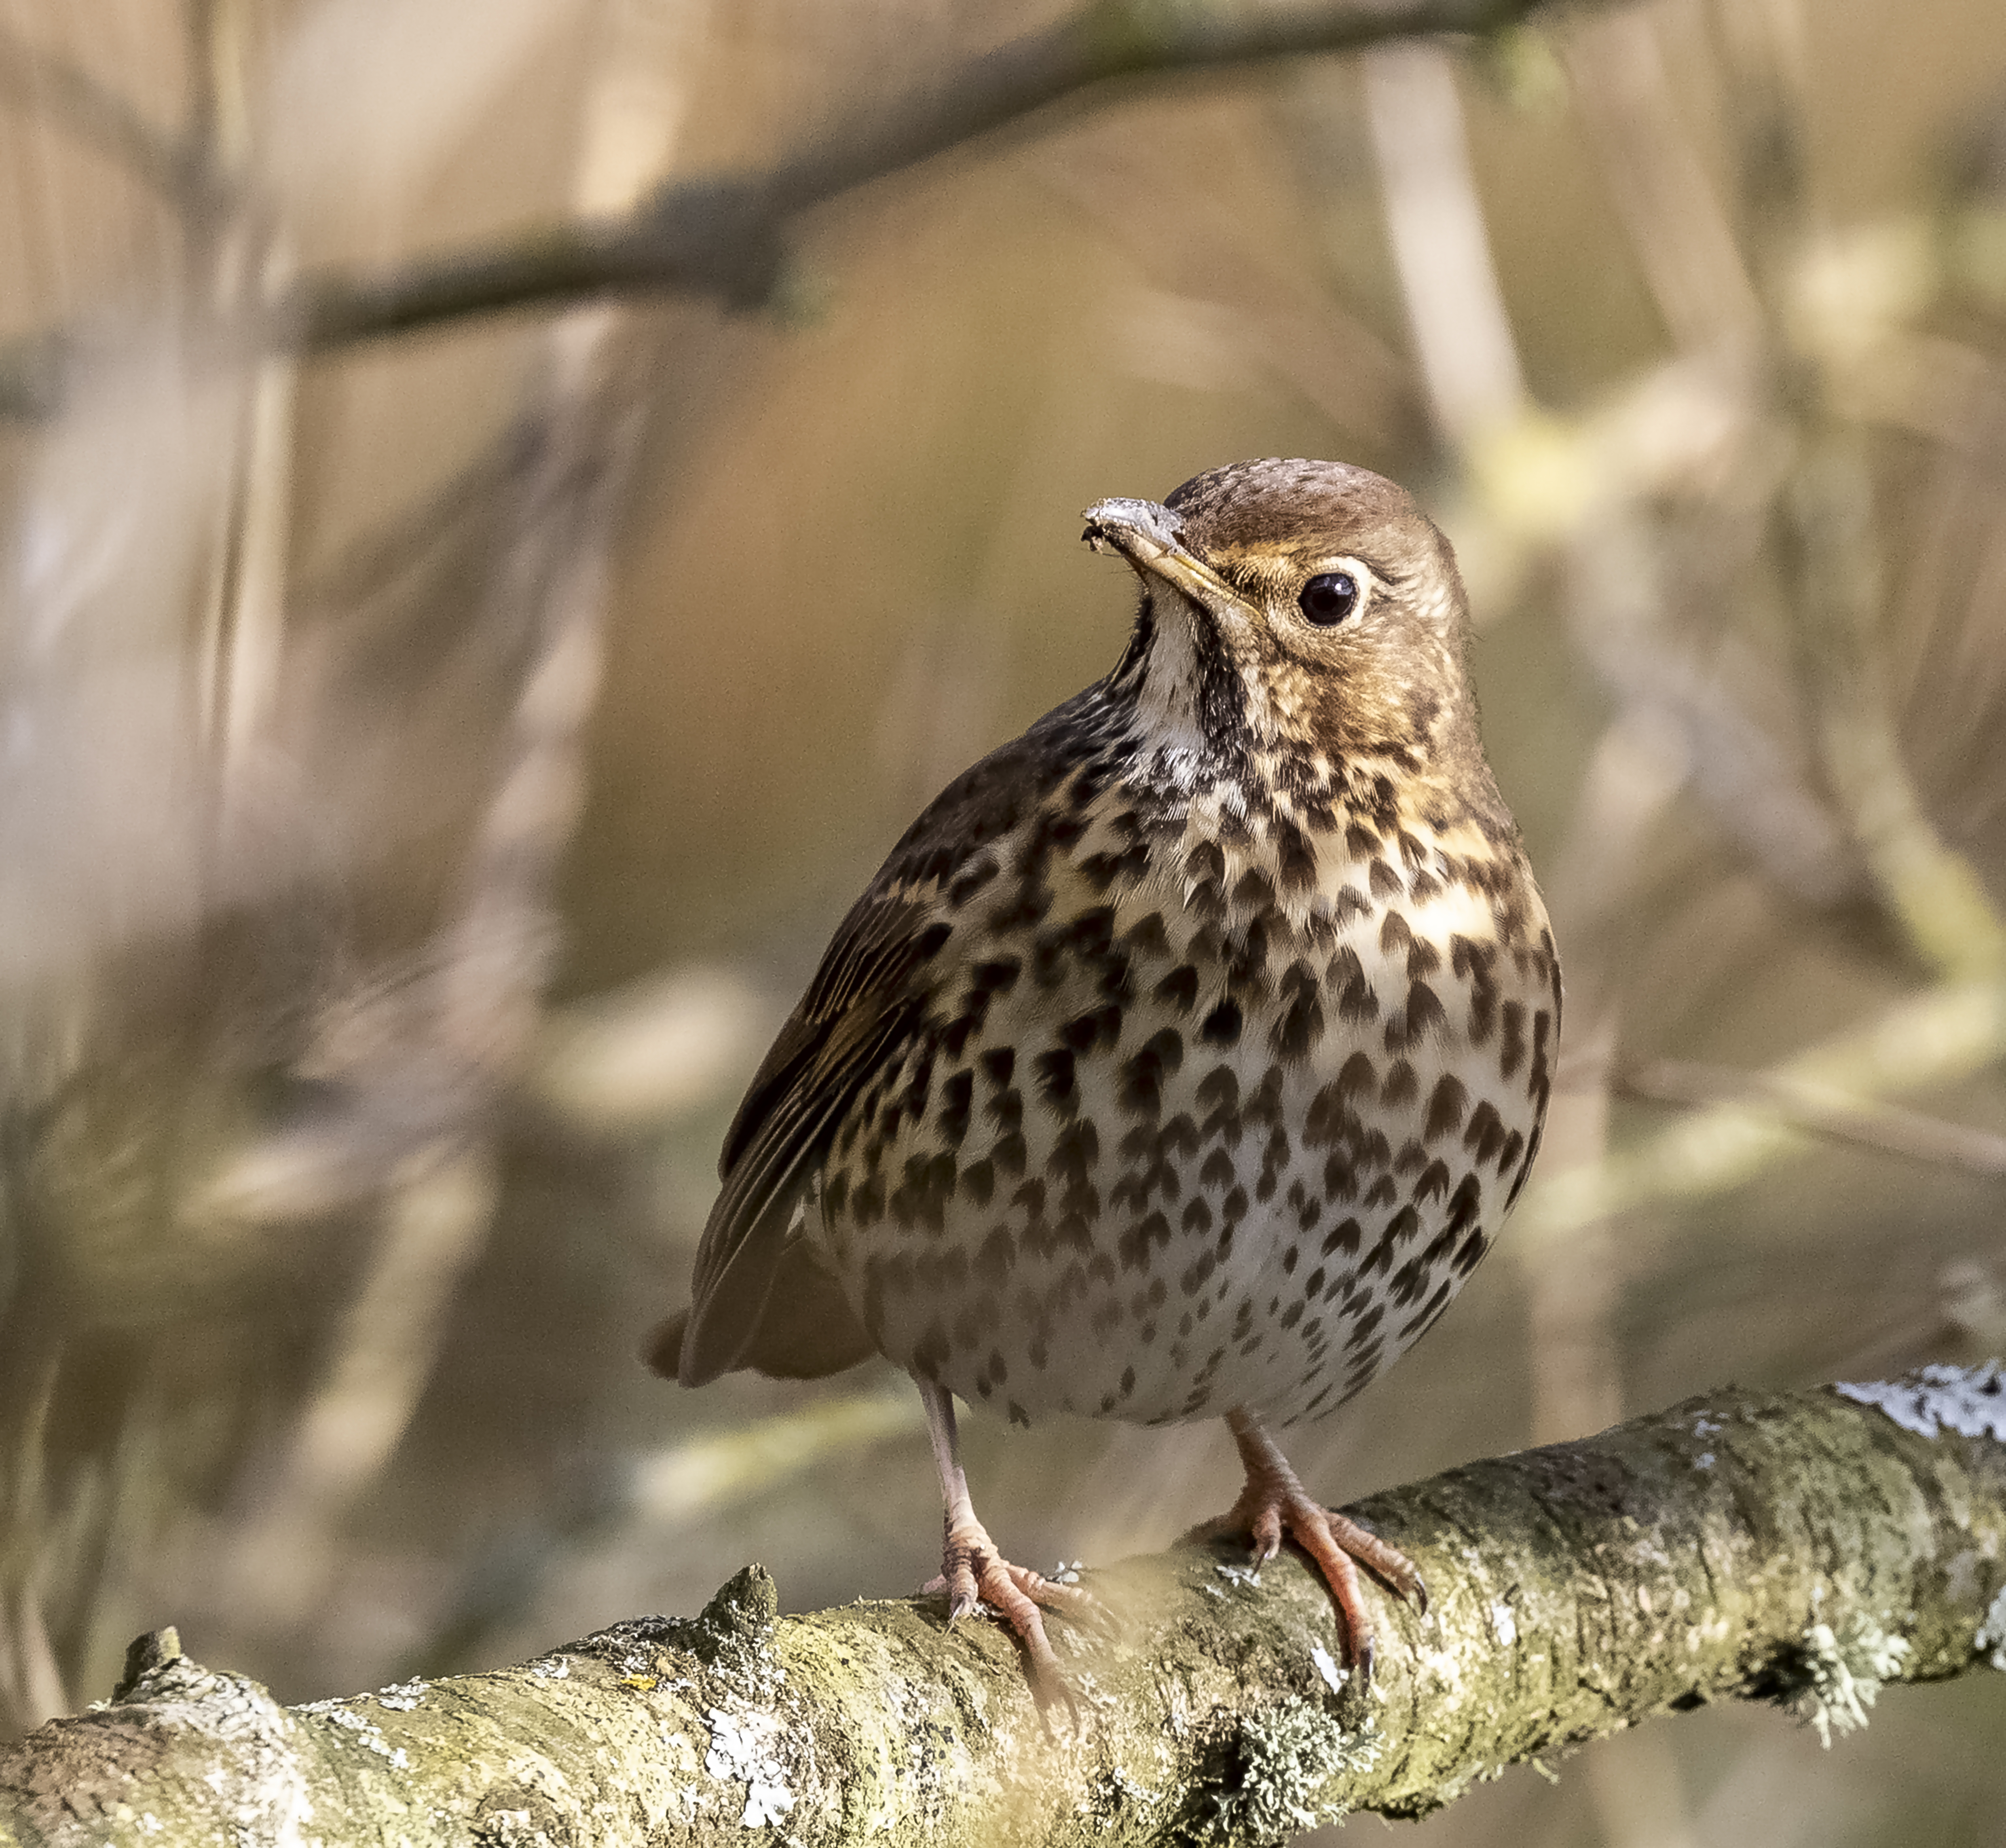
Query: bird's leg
point(1274, 1503)
point(972, 1572)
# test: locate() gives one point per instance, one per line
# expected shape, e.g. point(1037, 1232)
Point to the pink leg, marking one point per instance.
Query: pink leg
point(972, 1572)
point(1274, 1503)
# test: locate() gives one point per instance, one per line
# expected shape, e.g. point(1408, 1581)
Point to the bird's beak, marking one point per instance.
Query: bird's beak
point(1146, 535)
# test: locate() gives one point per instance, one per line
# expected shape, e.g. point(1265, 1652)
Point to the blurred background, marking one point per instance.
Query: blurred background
point(433, 763)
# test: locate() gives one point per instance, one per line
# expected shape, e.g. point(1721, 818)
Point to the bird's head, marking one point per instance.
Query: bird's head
point(1295, 607)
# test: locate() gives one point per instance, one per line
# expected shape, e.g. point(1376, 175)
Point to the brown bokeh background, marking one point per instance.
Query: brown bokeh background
point(433, 764)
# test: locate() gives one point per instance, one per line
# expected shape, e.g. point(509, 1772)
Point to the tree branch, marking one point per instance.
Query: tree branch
point(726, 236)
point(1803, 1548)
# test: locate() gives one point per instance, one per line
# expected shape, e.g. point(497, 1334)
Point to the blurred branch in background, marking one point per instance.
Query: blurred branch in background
point(726, 236)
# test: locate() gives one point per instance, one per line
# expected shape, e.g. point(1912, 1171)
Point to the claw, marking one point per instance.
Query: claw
point(977, 1573)
point(1274, 1502)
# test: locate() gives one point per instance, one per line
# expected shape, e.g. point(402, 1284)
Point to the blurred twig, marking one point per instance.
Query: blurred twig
point(1935, 1038)
point(1462, 338)
point(1860, 1122)
point(33, 78)
point(725, 236)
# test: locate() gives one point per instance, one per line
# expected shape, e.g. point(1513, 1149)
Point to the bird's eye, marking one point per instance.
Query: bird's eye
point(1329, 597)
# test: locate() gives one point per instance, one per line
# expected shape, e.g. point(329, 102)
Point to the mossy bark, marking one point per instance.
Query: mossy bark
point(1804, 1549)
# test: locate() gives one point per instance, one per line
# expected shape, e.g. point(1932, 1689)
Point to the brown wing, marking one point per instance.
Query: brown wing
point(864, 1005)
point(753, 1284)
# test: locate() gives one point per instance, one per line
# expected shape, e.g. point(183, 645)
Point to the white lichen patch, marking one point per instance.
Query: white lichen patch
point(1289, 1755)
point(402, 1696)
point(1503, 1625)
point(1990, 1640)
point(550, 1668)
point(1334, 1676)
point(1239, 1575)
point(1704, 1460)
point(1968, 1400)
point(745, 1749)
point(368, 1733)
point(1841, 1678)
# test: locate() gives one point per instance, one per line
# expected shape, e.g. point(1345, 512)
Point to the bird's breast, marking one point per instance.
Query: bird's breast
point(1219, 1097)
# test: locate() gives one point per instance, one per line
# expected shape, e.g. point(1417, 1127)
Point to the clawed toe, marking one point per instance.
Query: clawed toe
point(974, 1572)
point(1274, 1505)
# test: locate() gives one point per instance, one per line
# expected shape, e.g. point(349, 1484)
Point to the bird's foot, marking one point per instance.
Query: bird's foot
point(973, 1572)
point(1274, 1505)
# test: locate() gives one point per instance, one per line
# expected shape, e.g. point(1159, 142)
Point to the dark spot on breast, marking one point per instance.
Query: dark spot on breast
point(1384, 882)
point(1434, 1181)
point(1148, 938)
point(1464, 1206)
point(1255, 892)
point(1137, 1246)
point(1056, 1083)
point(1511, 1046)
point(1360, 842)
point(1142, 1076)
point(1356, 1003)
point(1297, 858)
point(1345, 1235)
point(1092, 1032)
point(957, 1094)
point(1330, 1115)
point(1221, 1027)
point(1349, 903)
point(1525, 1169)
point(1401, 1087)
point(1395, 933)
point(1246, 953)
point(1178, 989)
point(1483, 1010)
point(1446, 1104)
point(1205, 861)
point(1422, 1015)
point(1295, 1035)
point(998, 1064)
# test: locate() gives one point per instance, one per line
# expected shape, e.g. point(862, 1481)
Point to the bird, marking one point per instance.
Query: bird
point(1184, 1056)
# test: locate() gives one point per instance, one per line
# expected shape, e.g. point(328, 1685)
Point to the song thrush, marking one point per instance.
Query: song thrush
point(1185, 1055)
